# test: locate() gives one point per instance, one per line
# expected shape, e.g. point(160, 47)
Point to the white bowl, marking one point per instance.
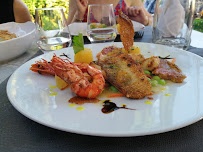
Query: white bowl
point(14, 47)
point(76, 28)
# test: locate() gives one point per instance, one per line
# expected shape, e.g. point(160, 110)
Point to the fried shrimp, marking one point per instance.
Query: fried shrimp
point(150, 63)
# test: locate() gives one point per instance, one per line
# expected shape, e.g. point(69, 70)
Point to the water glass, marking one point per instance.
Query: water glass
point(101, 23)
point(173, 22)
point(52, 29)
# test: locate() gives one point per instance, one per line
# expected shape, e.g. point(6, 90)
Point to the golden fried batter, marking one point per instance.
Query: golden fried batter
point(125, 74)
point(126, 30)
point(150, 63)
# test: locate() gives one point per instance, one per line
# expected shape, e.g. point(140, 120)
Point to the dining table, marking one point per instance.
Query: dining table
point(21, 134)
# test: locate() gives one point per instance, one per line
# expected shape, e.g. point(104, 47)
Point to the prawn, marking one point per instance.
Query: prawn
point(89, 88)
point(85, 80)
point(41, 68)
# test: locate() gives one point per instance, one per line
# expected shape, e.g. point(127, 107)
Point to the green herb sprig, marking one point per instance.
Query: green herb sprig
point(78, 43)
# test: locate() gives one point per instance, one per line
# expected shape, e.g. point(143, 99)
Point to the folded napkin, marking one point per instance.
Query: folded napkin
point(171, 18)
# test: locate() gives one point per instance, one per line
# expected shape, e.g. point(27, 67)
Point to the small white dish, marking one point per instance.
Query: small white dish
point(179, 105)
point(14, 47)
point(76, 28)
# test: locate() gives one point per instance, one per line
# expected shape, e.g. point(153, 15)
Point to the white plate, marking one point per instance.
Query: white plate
point(76, 28)
point(14, 47)
point(29, 94)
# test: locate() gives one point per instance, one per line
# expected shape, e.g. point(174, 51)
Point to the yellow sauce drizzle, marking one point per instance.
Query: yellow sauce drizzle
point(71, 105)
point(158, 89)
point(52, 87)
point(148, 102)
point(80, 108)
point(167, 94)
point(49, 84)
point(53, 94)
point(50, 90)
point(163, 89)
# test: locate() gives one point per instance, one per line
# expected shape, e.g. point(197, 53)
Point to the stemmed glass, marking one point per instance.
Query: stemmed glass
point(101, 23)
point(52, 29)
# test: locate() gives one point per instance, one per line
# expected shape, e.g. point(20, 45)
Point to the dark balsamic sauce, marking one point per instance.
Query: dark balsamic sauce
point(65, 55)
point(109, 107)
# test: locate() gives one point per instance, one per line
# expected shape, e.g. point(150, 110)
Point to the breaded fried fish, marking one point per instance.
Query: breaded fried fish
point(125, 74)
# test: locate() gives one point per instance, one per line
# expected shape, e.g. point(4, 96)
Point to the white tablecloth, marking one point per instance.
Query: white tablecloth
point(197, 39)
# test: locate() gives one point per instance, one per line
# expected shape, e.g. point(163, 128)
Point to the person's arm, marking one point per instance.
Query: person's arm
point(77, 10)
point(136, 11)
point(21, 12)
point(72, 11)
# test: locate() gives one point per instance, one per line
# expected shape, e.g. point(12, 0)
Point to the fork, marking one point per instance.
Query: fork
point(139, 34)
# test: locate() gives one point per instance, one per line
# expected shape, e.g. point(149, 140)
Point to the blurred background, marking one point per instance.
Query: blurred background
point(33, 4)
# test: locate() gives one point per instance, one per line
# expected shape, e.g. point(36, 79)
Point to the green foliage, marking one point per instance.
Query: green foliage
point(33, 4)
point(198, 25)
point(48, 24)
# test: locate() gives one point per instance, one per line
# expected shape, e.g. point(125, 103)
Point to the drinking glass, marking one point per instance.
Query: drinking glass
point(52, 29)
point(173, 22)
point(101, 23)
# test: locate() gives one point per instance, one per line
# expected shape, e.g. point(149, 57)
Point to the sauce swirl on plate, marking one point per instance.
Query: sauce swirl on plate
point(109, 107)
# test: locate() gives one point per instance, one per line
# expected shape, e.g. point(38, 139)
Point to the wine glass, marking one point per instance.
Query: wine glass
point(52, 29)
point(101, 23)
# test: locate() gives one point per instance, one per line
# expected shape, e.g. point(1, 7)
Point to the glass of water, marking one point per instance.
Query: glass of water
point(101, 23)
point(52, 29)
point(173, 21)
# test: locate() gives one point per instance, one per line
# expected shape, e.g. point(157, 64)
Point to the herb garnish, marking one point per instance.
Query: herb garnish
point(65, 55)
point(78, 43)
